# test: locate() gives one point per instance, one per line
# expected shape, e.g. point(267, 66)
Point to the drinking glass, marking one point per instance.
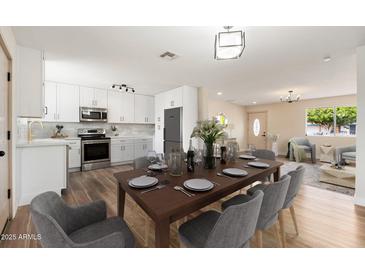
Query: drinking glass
point(151, 156)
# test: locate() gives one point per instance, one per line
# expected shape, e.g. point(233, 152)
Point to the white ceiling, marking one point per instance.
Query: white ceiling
point(276, 59)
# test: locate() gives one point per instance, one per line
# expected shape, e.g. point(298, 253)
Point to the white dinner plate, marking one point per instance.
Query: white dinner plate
point(235, 172)
point(247, 157)
point(157, 166)
point(198, 184)
point(143, 182)
point(258, 164)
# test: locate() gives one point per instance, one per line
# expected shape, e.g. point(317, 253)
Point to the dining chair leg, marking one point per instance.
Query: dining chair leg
point(292, 212)
point(277, 233)
point(258, 236)
point(282, 228)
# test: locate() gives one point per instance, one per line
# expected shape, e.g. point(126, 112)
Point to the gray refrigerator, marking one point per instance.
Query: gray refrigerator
point(173, 130)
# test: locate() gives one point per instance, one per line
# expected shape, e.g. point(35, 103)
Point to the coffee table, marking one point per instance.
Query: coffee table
point(342, 177)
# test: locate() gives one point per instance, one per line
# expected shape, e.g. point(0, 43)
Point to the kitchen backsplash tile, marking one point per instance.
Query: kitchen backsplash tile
point(70, 129)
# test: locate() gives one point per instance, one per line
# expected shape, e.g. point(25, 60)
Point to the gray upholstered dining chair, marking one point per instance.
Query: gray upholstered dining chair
point(296, 180)
point(141, 162)
point(232, 228)
point(85, 226)
point(264, 154)
point(274, 198)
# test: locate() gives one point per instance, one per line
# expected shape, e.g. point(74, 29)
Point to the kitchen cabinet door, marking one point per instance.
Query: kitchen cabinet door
point(30, 82)
point(144, 109)
point(159, 122)
point(141, 149)
point(68, 97)
point(127, 108)
point(100, 98)
point(114, 106)
point(87, 97)
point(127, 152)
point(174, 98)
point(116, 153)
point(74, 157)
point(50, 100)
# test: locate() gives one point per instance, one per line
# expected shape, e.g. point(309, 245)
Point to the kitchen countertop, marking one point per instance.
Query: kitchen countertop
point(62, 142)
point(130, 137)
point(42, 143)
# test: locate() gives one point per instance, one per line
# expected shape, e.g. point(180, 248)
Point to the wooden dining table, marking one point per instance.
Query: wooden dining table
point(167, 205)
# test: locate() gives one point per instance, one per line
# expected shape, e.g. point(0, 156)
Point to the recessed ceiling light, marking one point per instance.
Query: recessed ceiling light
point(254, 102)
point(219, 93)
point(326, 59)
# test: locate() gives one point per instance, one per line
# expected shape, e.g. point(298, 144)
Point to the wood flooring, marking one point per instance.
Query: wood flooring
point(325, 218)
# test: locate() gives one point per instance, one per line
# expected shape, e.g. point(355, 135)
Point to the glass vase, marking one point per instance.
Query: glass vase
point(209, 158)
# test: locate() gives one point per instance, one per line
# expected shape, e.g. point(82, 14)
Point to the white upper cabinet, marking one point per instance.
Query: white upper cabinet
point(30, 82)
point(174, 98)
point(68, 103)
point(120, 107)
point(86, 97)
point(61, 102)
point(101, 98)
point(114, 106)
point(127, 108)
point(50, 101)
point(144, 109)
point(93, 97)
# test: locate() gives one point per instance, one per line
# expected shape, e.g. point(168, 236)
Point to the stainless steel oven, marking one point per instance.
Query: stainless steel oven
point(95, 149)
point(93, 114)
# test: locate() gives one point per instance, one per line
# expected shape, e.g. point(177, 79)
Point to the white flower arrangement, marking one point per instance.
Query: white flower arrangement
point(273, 137)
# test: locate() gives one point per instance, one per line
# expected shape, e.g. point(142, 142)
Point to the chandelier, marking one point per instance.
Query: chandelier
point(290, 98)
point(229, 44)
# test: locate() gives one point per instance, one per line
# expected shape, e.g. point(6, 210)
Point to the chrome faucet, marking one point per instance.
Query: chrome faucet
point(30, 123)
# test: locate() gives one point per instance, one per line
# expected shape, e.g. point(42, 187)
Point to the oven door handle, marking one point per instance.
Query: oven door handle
point(86, 142)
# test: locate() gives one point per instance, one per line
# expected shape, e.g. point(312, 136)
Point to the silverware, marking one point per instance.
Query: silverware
point(152, 189)
point(223, 175)
point(214, 183)
point(161, 184)
point(179, 188)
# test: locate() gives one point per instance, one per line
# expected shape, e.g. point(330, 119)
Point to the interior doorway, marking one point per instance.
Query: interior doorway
point(257, 129)
point(5, 123)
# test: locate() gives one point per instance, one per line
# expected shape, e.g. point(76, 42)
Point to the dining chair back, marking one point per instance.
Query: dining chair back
point(236, 226)
point(296, 180)
point(274, 198)
point(141, 162)
point(264, 154)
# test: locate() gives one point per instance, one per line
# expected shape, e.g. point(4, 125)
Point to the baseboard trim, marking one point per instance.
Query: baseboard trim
point(359, 201)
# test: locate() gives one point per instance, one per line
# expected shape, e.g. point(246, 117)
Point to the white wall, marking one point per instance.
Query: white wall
point(289, 120)
point(360, 144)
point(7, 36)
point(236, 115)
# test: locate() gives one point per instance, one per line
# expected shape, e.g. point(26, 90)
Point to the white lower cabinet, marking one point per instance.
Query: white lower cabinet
point(122, 150)
point(74, 154)
point(141, 147)
point(40, 169)
point(126, 150)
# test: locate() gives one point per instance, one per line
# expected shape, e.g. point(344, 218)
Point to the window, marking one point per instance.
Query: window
point(331, 121)
point(256, 127)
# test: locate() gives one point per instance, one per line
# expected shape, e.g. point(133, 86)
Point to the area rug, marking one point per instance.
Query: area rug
point(311, 176)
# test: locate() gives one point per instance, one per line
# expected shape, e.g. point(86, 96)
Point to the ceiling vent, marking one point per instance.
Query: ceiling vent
point(168, 56)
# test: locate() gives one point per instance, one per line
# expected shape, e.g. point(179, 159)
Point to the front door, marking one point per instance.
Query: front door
point(257, 129)
point(4, 155)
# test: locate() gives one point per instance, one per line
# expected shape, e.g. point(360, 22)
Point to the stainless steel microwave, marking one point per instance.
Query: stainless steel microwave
point(93, 114)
